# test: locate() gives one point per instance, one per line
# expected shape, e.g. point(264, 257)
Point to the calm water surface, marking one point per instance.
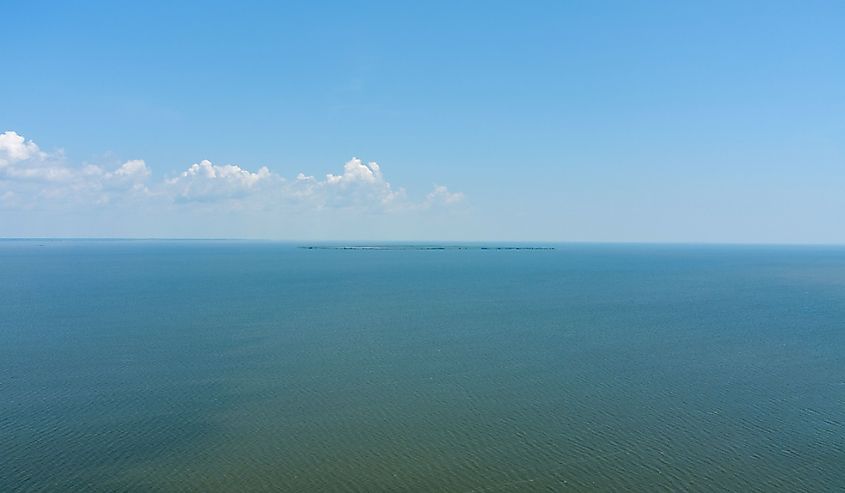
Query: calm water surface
point(237, 366)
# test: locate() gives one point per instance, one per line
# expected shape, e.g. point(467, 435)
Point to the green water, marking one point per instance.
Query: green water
point(237, 366)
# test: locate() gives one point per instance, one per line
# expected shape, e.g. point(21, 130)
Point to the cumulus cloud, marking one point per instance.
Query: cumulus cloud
point(131, 172)
point(14, 148)
point(23, 160)
point(29, 175)
point(442, 196)
point(134, 169)
point(359, 185)
point(205, 181)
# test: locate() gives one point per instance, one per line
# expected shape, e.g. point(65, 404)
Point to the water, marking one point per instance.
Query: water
point(237, 366)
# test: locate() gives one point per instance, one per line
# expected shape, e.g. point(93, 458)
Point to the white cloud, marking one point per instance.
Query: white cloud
point(129, 173)
point(14, 148)
point(31, 176)
point(360, 185)
point(22, 159)
point(356, 171)
point(205, 181)
point(134, 169)
point(442, 196)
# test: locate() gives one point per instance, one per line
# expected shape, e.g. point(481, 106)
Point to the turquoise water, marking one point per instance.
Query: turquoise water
point(237, 366)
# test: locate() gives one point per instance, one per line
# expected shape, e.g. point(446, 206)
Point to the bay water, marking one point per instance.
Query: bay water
point(263, 366)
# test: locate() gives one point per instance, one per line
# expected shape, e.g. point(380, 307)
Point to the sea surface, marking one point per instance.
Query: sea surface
point(259, 366)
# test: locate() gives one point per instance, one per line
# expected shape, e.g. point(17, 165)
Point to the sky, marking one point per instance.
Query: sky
point(596, 121)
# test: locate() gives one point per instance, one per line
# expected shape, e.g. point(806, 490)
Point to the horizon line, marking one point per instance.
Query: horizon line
point(352, 242)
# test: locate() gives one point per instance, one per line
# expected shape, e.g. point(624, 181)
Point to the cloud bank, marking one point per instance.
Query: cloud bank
point(31, 178)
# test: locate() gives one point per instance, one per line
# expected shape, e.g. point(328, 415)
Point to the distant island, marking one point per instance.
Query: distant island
point(421, 247)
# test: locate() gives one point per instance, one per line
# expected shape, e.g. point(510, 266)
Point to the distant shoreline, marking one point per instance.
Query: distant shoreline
point(418, 247)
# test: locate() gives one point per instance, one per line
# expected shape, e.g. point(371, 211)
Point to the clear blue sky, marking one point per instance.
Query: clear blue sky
point(572, 121)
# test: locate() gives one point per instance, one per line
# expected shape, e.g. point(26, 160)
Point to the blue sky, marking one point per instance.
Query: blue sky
point(549, 121)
